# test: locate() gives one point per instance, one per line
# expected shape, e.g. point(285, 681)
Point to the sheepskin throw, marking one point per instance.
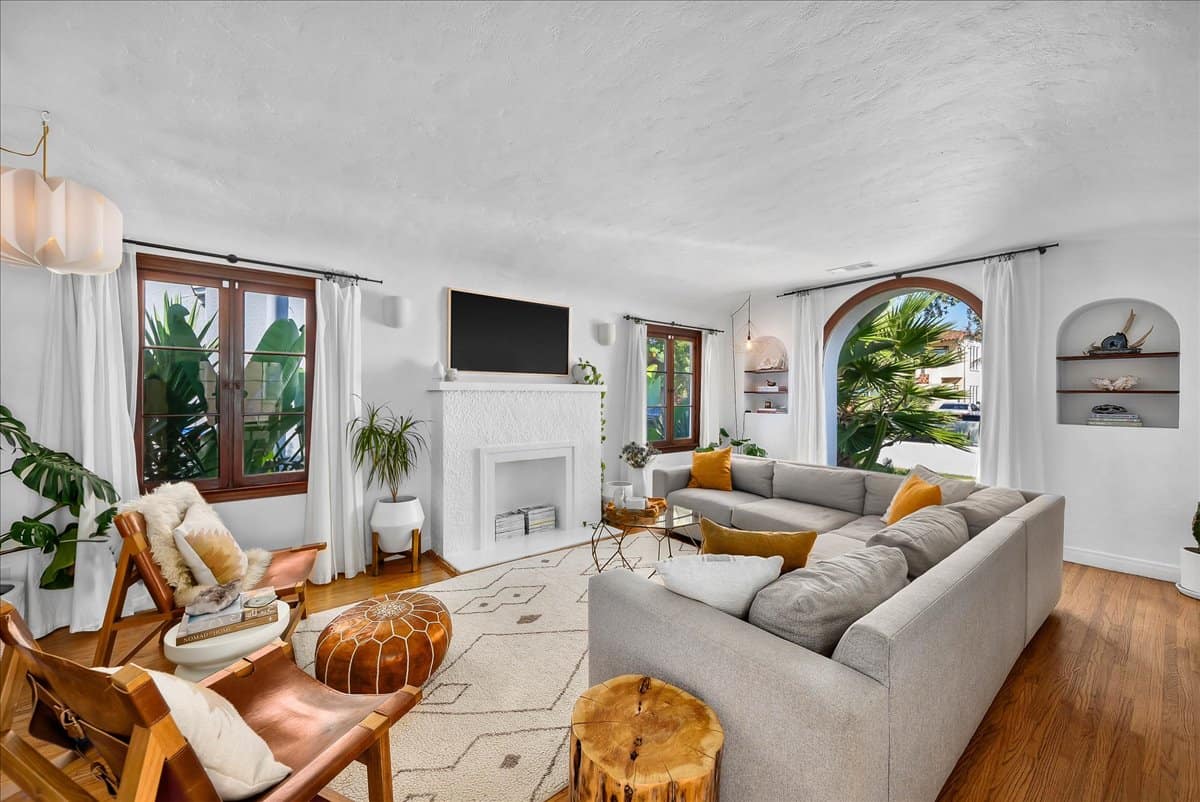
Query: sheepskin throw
point(164, 510)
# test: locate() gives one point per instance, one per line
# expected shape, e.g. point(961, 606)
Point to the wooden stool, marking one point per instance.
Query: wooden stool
point(379, 555)
point(638, 739)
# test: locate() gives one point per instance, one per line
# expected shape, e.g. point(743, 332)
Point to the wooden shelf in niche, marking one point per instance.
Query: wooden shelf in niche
point(780, 391)
point(1103, 357)
point(784, 370)
point(1124, 392)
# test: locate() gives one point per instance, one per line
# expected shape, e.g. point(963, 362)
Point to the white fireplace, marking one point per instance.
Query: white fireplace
point(502, 446)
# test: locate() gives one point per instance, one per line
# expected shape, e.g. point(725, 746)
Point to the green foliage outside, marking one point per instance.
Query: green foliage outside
point(656, 388)
point(879, 400)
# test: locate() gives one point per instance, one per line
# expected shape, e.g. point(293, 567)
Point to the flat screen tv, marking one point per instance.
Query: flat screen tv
point(491, 334)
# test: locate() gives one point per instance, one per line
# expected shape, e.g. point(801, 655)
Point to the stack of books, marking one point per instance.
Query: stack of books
point(246, 612)
point(1114, 419)
point(509, 524)
point(539, 518)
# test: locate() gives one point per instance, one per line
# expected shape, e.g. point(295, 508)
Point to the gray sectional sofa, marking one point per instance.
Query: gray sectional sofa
point(886, 715)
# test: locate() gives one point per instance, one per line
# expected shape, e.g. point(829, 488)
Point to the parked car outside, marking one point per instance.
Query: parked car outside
point(965, 410)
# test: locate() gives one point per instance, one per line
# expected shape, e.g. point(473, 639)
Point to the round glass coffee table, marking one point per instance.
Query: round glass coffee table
point(195, 661)
point(615, 525)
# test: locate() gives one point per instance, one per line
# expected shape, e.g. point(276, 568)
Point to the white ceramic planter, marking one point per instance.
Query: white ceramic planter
point(395, 522)
point(616, 492)
point(1189, 571)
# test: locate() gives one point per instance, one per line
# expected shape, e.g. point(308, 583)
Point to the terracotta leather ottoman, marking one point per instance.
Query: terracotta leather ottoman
point(382, 644)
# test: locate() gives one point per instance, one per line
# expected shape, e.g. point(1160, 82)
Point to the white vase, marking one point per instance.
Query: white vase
point(641, 481)
point(1189, 570)
point(617, 492)
point(395, 522)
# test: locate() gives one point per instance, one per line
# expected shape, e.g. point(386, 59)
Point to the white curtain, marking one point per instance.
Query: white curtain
point(807, 390)
point(1010, 436)
point(333, 511)
point(85, 409)
point(710, 390)
point(635, 389)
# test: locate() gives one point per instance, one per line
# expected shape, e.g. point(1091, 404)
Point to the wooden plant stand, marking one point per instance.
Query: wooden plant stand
point(379, 555)
point(638, 739)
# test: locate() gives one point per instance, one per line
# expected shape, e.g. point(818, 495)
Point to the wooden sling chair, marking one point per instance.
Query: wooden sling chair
point(287, 574)
point(118, 729)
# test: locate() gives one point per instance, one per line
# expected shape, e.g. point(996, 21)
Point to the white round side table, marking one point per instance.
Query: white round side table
point(195, 661)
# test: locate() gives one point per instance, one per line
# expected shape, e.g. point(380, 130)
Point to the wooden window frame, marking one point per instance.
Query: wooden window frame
point(231, 484)
point(671, 333)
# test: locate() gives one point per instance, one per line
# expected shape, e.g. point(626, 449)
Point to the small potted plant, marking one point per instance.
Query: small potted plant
point(391, 446)
point(638, 457)
point(1189, 562)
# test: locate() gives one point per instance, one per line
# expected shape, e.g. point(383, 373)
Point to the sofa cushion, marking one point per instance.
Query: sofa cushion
point(880, 487)
point(753, 475)
point(832, 544)
point(828, 487)
point(724, 581)
point(952, 489)
point(712, 470)
point(861, 529)
point(793, 547)
point(814, 606)
point(716, 505)
point(984, 507)
point(927, 536)
point(779, 513)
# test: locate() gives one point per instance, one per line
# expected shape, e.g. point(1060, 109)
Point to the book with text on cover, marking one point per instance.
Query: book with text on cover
point(238, 615)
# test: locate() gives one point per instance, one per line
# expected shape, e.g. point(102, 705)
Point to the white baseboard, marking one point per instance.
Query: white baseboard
point(1117, 562)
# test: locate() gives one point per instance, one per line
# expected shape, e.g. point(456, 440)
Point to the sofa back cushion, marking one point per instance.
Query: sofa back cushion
point(826, 487)
point(952, 489)
point(753, 475)
point(927, 536)
point(984, 507)
point(880, 488)
point(814, 606)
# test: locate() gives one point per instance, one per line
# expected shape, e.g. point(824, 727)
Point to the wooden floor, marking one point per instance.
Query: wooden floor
point(1104, 704)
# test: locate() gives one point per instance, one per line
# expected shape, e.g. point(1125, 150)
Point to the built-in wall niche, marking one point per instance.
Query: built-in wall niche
point(764, 383)
point(1154, 399)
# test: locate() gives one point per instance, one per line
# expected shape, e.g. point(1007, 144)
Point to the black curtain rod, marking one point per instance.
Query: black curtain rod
point(637, 319)
point(234, 259)
point(899, 273)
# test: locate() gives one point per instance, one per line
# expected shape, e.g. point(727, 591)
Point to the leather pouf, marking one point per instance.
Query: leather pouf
point(383, 644)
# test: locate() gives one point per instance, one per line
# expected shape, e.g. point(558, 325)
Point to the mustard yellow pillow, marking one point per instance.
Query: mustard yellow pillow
point(712, 470)
point(793, 547)
point(911, 496)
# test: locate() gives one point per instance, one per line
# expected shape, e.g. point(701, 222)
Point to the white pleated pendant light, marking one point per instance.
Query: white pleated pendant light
point(56, 223)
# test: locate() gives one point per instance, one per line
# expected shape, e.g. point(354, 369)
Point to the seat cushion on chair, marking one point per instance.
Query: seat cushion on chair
point(716, 505)
point(780, 513)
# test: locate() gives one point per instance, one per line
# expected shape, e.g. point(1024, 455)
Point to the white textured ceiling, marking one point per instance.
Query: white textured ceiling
point(736, 144)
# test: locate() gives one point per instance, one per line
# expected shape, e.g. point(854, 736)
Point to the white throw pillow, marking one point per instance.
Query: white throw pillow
point(725, 581)
point(208, 547)
point(236, 759)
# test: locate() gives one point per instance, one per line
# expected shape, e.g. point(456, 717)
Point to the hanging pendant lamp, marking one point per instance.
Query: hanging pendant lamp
point(54, 222)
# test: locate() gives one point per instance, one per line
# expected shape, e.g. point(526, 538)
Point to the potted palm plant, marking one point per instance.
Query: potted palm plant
point(389, 446)
point(1189, 562)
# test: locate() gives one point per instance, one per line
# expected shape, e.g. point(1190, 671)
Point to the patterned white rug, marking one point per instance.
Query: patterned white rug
point(493, 724)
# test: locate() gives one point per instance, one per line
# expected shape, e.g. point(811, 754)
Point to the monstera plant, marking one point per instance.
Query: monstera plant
point(60, 479)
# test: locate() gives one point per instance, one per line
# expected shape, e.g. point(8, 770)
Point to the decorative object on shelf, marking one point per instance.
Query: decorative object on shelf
point(638, 457)
point(439, 371)
point(1113, 415)
point(742, 446)
point(56, 223)
point(618, 493)
point(451, 374)
point(585, 372)
point(606, 333)
point(776, 363)
point(1119, 343)
point(1117, 385)
point(772, 384)
point(767, 404)
point(397, 310)
point(1189, 562)
point(392, 446)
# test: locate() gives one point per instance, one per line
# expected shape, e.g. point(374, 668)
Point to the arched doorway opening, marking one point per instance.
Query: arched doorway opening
point(903, 377)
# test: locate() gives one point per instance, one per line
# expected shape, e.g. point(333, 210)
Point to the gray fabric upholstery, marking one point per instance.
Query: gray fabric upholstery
point(797, 725)
point(952, 489)
point(825, 487)
point(880, 488)
point(789, 516)
point(1043, 522)
point(715, 505)
point(814, 606)
point(665, 480)
point(984, 507)
point(753, 475)
point(833, 544)
point(927, 536)
point(861, 528)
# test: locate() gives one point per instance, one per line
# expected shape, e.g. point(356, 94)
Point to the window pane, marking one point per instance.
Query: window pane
point(179, 447)
point(181, 315)
point(683, 389)
point(656, 357)
point(683, 356)
point(656, 424)
point(273, 384)
point(272, 443)
point(656, 389)
point(683, 423)
point(176, 382)
point(274, 323)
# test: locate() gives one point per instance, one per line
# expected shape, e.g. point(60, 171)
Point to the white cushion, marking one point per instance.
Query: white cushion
point(725, 581)
point(236, 758)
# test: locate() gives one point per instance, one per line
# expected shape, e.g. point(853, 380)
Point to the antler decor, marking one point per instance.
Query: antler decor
point(1119, 343)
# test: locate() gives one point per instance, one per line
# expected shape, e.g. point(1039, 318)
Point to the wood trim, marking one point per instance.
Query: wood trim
point(671, 444)
point(905, 283)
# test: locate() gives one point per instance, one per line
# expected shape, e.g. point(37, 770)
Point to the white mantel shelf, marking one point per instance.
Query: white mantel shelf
point(509, 387)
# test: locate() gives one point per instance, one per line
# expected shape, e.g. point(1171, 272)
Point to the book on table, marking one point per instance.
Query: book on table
point(246, 612)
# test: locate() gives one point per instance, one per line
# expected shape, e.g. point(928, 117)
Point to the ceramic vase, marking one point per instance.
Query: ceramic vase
point(395, 522)
point(640, 477)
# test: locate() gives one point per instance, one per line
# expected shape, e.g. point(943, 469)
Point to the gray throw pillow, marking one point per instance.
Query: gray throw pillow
point(927, 536)
point(815, 605)
point(952, 489)
point(984, 507)
point(753, 475)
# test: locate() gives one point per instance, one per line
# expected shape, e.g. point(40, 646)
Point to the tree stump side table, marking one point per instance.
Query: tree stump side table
point(638, 739)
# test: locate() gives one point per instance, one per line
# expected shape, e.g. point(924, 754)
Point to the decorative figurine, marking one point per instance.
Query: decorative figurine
point(1116, 385)
point(1119, 343)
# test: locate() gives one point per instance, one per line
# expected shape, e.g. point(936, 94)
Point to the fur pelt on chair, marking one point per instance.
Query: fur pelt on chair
point(163, 510)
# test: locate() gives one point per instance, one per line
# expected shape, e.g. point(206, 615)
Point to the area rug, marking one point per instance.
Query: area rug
point(492, 726)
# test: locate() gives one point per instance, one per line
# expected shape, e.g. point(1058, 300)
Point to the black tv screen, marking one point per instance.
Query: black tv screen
point(490, 334)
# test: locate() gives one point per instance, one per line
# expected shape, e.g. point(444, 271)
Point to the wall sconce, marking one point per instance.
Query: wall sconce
point(397, 311)
point(606, 333)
